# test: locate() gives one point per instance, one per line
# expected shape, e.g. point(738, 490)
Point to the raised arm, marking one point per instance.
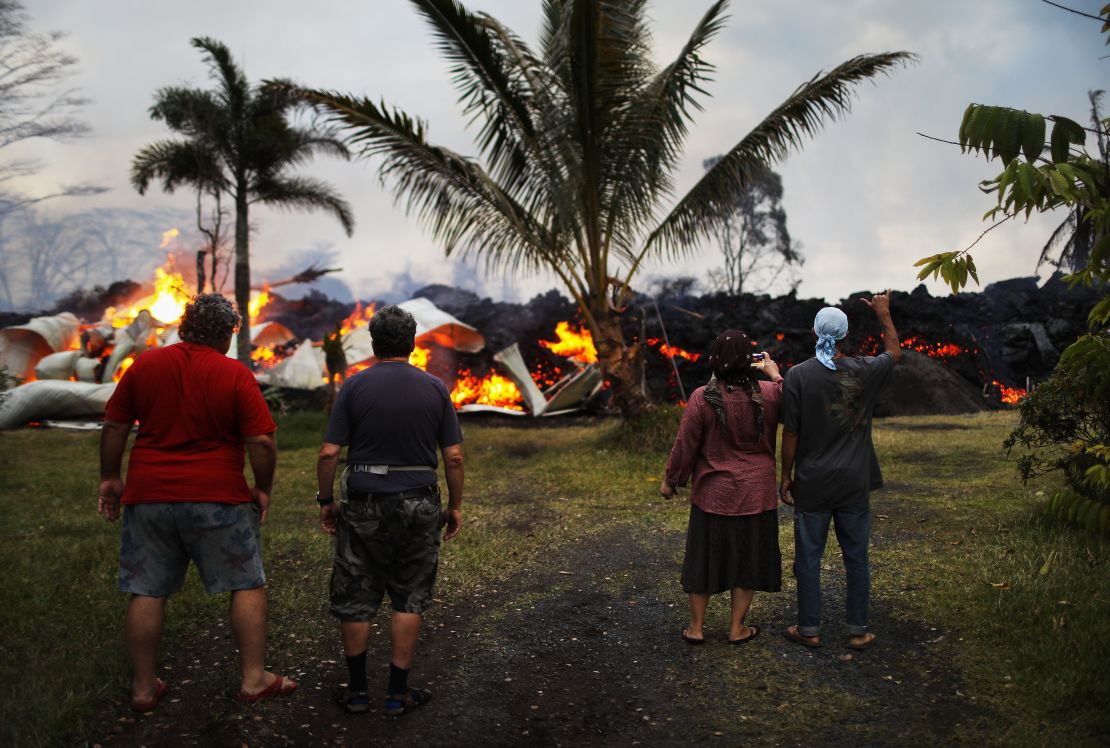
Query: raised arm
point(880, 304)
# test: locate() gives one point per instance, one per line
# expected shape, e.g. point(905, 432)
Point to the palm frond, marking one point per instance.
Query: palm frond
point(234, 88)
point(493, 88)
point(192, 112)
point(457, 200)
point(652, 132)
point(293, 193)
point(826, 96)
point(176, 163)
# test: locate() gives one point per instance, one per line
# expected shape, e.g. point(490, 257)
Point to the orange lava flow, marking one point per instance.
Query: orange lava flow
point(573, 343)
point(932, 349)
point(493, 389)
point(1010, 395)
point(672, 351)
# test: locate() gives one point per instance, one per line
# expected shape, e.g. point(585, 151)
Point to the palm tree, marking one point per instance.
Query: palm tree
point(580, 141)
point(238, 142)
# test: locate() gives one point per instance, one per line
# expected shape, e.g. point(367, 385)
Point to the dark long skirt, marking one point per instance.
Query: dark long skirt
point(723, 552)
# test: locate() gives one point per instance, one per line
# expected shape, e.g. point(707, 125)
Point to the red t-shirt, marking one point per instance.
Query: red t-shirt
point(195, 407)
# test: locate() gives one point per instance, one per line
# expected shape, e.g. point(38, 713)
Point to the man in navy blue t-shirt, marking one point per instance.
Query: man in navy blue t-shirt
point(393, 418)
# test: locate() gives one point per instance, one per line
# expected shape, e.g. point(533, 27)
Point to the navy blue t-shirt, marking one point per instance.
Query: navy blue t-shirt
point(393, 414)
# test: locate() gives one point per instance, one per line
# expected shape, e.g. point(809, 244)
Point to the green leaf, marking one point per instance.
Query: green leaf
point(1064, 133)
point(1032, 140)
point(1061, 186)
point(968, 113)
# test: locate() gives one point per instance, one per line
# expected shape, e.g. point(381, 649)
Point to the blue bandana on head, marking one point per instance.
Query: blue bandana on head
point(831, 325)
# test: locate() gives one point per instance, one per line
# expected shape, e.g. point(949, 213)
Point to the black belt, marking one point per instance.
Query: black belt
point(414, 493)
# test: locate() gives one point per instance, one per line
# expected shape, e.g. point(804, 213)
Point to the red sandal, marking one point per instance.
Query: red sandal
point(281, 686)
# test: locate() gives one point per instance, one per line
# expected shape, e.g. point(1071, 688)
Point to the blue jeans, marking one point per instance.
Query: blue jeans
point(853, 532)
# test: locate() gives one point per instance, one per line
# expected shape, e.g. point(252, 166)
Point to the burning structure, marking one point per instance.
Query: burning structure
point(68, 368)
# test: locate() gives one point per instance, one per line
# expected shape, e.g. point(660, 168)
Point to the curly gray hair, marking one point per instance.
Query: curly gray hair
point(209, 319)
point(393, 332)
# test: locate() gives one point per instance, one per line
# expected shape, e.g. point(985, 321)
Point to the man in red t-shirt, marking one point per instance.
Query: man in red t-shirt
point(185, 497)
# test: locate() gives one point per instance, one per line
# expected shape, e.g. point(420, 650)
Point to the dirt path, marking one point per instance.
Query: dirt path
point(584, 650)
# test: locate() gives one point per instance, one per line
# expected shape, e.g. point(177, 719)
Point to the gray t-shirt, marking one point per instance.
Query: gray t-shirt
point(835, 465)
point(393, 414)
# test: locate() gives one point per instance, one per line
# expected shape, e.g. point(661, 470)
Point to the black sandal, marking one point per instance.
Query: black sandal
point(748, 638)
point(395, 706)
point(691, 640)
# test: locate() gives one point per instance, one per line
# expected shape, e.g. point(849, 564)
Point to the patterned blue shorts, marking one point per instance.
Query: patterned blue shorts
point(158, 541)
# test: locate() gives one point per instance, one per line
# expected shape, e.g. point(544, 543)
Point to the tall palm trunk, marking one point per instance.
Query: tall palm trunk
point(621, 364)
point(243, 273)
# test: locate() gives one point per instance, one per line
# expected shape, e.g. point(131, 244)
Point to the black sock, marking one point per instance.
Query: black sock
point(398, 680)
point(356, 668)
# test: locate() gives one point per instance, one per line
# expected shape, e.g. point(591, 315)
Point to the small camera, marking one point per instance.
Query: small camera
point(757, 358)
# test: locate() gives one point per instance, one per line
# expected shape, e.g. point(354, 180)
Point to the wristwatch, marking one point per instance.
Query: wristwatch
point(324, 502)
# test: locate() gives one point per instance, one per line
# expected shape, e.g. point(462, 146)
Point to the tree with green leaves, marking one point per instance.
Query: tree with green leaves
point(238, 143)
point(1063, 423)
point(579, 140)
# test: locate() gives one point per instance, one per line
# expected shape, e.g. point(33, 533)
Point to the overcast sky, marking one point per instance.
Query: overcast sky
point(867, 197)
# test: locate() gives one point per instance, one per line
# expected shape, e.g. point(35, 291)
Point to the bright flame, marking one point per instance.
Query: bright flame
point(358, 318)
point(419, 358)
point(124, 365)
point(671, 351)
point(1010, 395)
point(167, 237)
point(493, 389)
point(257, 303)
point(264, 356)
point(574, 344)
point(166, 304)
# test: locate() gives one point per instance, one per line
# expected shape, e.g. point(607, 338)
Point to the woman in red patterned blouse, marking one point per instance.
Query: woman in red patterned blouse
point(726, 444)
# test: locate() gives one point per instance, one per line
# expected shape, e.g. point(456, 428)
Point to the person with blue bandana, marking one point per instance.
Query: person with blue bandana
point(829, 466)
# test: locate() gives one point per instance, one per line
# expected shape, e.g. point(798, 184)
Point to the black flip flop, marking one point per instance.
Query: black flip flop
point(748, 638)
point(691, 640)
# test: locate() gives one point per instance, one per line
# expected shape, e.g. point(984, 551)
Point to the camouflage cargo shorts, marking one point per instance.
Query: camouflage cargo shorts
point(385, 546)
point(158, 540)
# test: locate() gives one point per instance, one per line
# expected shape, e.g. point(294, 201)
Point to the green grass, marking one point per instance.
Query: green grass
point(960, 546)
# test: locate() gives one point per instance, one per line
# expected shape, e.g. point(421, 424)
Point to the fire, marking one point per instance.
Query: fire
point(574, 344)
point(493, 389)
point(167, 237)
point(1010, 395)
point(166, 304)
point(358, 318)
point(257, 303)
point(419, 358)
point(124, 365)
point(671, 351)
point(264, 356)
